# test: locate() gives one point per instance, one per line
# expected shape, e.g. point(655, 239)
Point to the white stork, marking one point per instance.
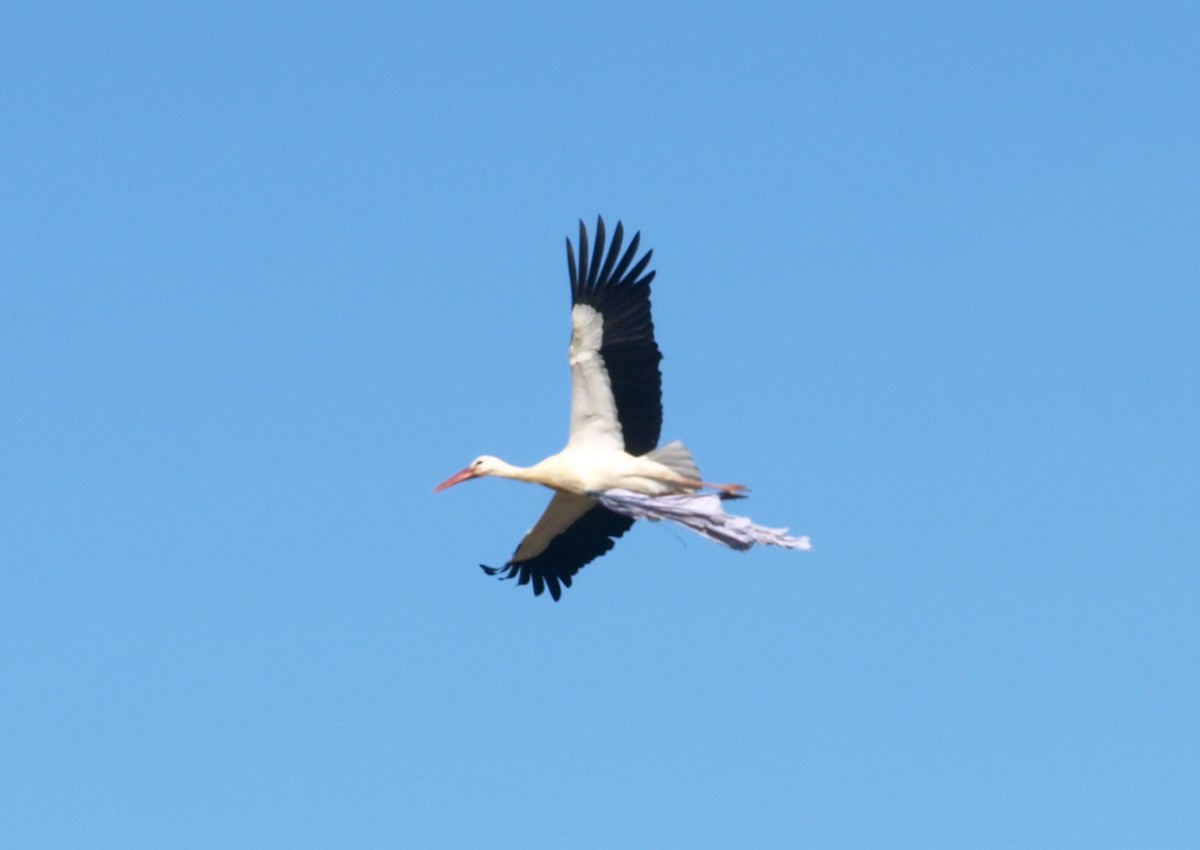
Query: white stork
point(616, 417)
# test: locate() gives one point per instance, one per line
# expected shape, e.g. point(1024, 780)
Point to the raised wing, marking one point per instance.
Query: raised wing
point(573, 531)
point(616, 385)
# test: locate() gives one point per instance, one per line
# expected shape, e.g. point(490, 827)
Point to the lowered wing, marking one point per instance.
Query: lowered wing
point(573, 531)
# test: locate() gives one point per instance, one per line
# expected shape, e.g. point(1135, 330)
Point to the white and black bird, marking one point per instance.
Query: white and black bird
point(616, 417)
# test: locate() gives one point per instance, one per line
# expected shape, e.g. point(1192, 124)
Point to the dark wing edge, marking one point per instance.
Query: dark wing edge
point(579, 544)
point(619, 289)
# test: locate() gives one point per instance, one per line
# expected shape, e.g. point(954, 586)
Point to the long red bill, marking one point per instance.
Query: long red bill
point(456, 478)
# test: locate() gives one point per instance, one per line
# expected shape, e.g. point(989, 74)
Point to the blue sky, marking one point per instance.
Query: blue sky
point(927, 282)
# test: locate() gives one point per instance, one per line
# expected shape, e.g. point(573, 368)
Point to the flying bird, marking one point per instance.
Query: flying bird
point(612, 469)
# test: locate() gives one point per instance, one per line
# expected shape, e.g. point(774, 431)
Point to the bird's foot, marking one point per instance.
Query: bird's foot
point(726, 491)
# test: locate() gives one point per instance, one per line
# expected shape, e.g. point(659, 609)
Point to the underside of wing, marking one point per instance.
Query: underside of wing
point(616, 382)
point(573, 531)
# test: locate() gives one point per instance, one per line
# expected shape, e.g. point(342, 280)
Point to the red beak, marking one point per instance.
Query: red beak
point(456, 478)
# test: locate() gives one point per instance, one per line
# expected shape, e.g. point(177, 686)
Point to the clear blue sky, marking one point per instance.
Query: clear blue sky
point(928, 282)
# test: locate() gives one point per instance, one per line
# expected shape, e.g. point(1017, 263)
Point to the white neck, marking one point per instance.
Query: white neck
point(535, 474)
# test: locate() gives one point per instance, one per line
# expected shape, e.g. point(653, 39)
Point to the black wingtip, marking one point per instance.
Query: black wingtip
point(597, 253)
point(571, 263)
point(601, 262)
point(614, 250)
point(540, 583)
point(583, 255)
point(641, 266)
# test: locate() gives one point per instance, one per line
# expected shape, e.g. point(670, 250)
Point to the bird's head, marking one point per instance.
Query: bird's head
point(478, 468)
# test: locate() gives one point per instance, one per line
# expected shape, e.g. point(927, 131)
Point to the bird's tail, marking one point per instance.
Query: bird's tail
point(676, 457)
